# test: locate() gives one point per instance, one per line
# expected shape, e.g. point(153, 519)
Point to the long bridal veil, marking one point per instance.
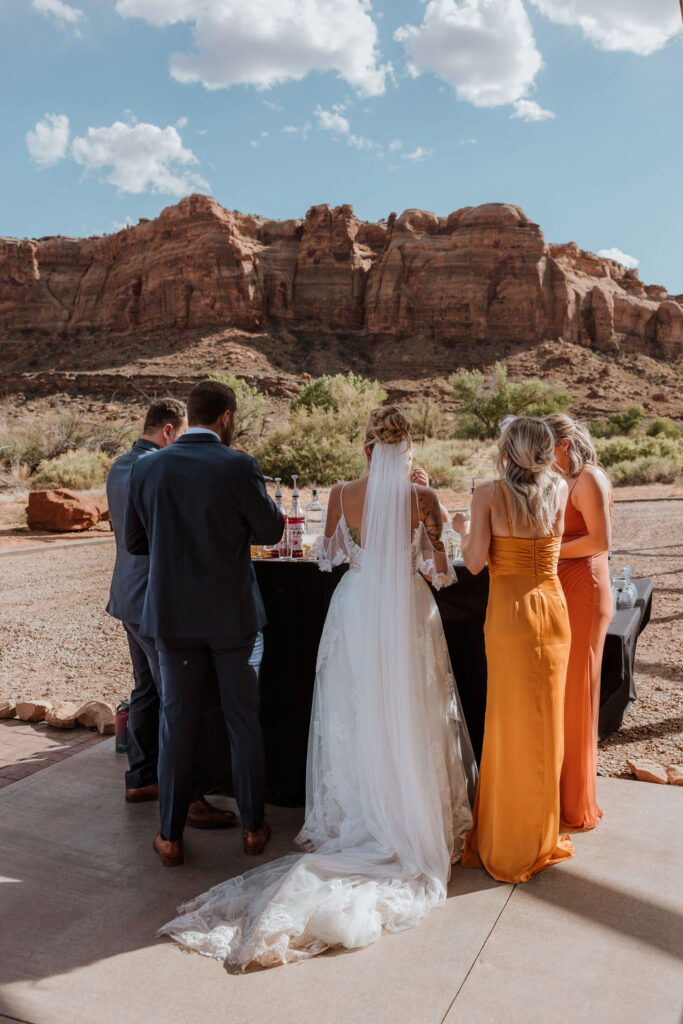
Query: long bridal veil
point(389, 763)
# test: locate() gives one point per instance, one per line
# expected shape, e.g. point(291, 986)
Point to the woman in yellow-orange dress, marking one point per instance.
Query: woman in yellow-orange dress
point(584, 574)
point(517, 526)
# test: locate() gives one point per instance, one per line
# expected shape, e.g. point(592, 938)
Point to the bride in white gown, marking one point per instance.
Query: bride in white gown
point(391, 772)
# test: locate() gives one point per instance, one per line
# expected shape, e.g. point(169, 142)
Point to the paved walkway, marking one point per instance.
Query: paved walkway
point(28, 747)
point(596, 940)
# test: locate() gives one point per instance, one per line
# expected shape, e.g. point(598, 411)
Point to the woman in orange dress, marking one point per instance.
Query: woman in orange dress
point(516, 526)
point(584, 574)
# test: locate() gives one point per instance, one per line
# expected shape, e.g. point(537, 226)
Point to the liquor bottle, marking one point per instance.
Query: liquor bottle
point(277, 550)
point(296, 522)
point(315, 514)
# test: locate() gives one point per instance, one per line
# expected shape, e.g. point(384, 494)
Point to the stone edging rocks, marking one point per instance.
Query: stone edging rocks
point(93, 714)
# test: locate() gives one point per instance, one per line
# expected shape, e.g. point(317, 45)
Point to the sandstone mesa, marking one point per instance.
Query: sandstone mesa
point(483, 273)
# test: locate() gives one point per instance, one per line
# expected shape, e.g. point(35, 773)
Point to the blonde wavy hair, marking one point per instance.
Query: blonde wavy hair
point(526, 462)
point(581, 448)
point(388, 424)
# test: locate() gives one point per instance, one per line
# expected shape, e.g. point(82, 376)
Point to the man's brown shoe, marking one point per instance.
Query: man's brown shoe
point(255, 842)
point(138, 796)
point(170, 851)
point(202, 814)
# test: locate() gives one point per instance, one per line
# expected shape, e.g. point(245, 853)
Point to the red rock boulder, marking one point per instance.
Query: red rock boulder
point(60, 511)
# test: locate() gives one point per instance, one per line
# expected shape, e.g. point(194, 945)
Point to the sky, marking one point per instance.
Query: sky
point(111, 110)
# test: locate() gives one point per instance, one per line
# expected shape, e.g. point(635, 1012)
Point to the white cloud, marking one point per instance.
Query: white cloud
point(119, 225)
point(468, 142)
point(418, 154)
point(529, 110)
point(139, 158)
point(360, 142)
point(180, 123)
point(272, 106)
point(631, 25)
point(332, 120)
point(49, 139)
point(266, 42)
point(394, 145)
point(302, 130)
point(484, 48)
point(60, 10)
point(621, 257)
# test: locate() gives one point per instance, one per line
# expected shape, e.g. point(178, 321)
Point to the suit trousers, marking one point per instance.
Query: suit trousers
point(143, 715)
point(185, 671)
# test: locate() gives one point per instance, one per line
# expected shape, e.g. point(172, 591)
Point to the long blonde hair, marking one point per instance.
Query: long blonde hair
point(526, 462)
point(581, 448)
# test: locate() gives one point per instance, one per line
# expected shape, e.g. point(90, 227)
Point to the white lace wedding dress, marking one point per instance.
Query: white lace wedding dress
point(390, 773)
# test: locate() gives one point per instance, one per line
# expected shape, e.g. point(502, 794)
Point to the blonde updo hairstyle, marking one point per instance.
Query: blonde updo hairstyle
point(526, 462)
point(388, 425)
point(581, 448)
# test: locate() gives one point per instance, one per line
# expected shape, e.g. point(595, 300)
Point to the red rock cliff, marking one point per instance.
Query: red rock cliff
point(482, 273)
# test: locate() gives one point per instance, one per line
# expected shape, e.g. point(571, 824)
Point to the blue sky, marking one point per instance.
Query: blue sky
point(106, 114)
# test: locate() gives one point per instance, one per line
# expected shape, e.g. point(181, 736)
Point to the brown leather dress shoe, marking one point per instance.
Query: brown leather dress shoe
point(138, 796)
point(255, 842)
point(170, 851)
point(202, 814)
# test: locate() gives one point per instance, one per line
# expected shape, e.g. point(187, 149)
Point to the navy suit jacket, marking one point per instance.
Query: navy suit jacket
point(129, 579)
point(195, 509)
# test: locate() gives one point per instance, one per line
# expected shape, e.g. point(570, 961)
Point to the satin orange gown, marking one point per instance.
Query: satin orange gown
point(586, 586)
point(516, 816)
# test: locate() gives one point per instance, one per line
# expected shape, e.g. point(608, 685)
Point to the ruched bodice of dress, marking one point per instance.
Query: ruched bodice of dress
point(519, 556)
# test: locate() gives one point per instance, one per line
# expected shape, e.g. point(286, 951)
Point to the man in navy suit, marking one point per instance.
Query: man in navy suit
point(194, 509)
point(166, 420)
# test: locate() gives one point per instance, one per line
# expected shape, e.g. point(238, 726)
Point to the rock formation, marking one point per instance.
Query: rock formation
point(483, 273)
point(61, 511)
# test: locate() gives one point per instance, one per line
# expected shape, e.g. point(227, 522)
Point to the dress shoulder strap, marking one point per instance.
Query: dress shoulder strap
point(507, 505)
point(341, 499)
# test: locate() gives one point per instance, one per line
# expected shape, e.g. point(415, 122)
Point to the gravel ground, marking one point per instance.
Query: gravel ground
point(58, 642)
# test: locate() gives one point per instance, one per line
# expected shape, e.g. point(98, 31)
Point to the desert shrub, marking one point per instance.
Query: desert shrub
point(440, 460)
point(618, 423)
point(313, 455)
point(325, 392)
point(79, 470)
point(323, 442)
point(251, 408)
point(426, 419)
point(30, 439)
point(627, 449)
point(483, 407)
point(647, 469)
point(664, 426)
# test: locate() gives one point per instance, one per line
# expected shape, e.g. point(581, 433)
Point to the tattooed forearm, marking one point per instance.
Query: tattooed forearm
point(430, 514)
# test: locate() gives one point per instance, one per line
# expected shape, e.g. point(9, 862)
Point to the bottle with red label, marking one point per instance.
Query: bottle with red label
point(296, 524)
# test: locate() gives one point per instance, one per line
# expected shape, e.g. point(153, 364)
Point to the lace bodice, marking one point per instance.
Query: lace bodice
point(341, 548)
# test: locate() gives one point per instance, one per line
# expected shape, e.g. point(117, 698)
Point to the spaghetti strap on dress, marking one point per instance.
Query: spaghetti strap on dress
point(516, 818)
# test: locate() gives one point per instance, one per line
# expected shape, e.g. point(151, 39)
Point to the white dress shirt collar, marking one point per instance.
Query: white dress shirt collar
point(201, 430)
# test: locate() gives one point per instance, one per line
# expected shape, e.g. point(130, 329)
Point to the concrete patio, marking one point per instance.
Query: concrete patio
point(599, 939)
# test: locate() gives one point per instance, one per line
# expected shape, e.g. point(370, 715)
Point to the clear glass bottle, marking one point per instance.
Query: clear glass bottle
point(629, 594)
point(315, 514)
point(276, 550)
point(296, 523)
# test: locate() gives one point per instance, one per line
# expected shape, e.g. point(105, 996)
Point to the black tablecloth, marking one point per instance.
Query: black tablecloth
point(297, 596)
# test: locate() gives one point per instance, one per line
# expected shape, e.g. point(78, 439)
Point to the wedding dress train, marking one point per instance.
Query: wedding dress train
point(390, 775)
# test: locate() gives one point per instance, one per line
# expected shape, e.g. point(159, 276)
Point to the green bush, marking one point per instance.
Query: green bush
point(251, 408)
point(323, 442)
point(440, 460)
point(627, 449)
point(425, 419)
point(483, 408)
point(647, 469)
point(80, 470)
point(618, 423)
point(31, 439)
point(324, 392)
point(663, 426)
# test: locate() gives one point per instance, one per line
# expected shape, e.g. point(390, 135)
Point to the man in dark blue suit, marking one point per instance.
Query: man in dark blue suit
point(166, 420)
point(194, 509)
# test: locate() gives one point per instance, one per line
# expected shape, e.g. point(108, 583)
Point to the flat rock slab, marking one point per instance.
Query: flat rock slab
point(28, 747)
point(588, 941)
